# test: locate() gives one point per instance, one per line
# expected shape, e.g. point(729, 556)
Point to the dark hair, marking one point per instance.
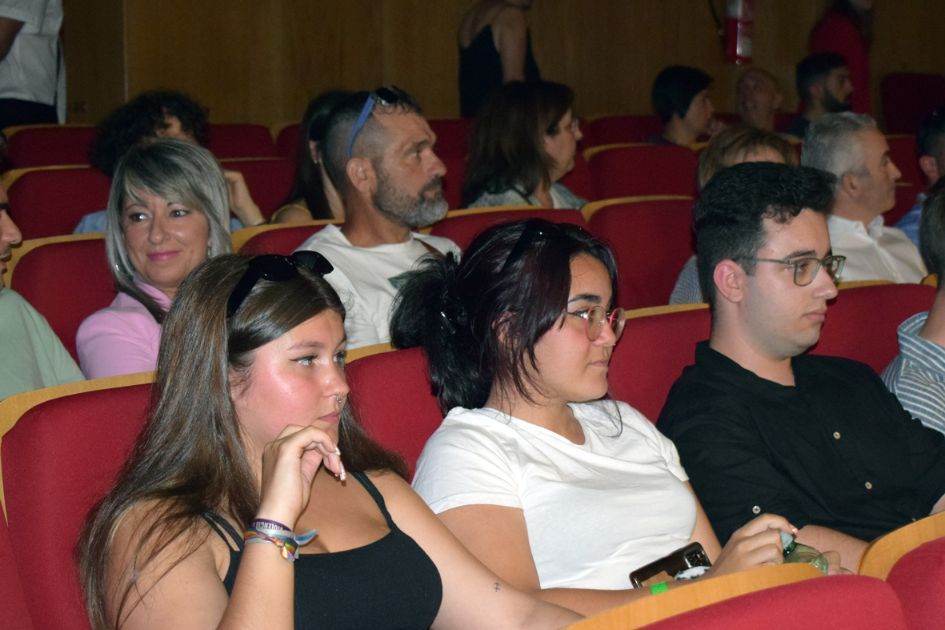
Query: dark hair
point(308, 184)
point(144, 117)
point(930, 139)
point(729, 216)
point(814, 68)
point(191, 457)
point(454, 310)
point(674, 88)
point(369, 142)
point(732, 145)
point(932, 231)
point(508, 148)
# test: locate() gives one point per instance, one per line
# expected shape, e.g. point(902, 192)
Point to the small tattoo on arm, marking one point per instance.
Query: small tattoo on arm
point(496, 587)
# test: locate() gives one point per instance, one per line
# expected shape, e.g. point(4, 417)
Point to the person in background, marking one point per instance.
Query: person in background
point(518, 336)
point(917, 375)
point(823, 86)
point(31, 356)
point(846, 28)
point(729, 147)
point(524, 142)
point(855, 152)
point(495, 47)
point(213, 522)
point(758, 98)
point(680, 98)
point(153, 115)
point(313, 196)
point(32, 71)
point(167, 213)
point(930, 146)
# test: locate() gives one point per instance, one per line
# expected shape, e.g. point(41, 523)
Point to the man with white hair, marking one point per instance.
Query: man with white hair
point(852, 148)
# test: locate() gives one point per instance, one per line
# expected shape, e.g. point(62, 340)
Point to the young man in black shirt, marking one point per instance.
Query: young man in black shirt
point(762, 427)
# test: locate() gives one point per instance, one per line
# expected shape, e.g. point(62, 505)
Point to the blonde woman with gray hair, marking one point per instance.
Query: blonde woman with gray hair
point(167, 213)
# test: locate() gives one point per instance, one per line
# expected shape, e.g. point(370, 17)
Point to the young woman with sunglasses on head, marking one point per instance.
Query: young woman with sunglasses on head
point(554, 489)
point(250, 441)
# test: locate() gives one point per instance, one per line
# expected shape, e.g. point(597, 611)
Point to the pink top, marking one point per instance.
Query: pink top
point(122, 338)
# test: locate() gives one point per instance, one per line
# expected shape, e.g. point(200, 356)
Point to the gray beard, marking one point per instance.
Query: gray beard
point(411, 212)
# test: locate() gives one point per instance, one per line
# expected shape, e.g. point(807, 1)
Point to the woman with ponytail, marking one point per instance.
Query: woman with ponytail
point(519, 336)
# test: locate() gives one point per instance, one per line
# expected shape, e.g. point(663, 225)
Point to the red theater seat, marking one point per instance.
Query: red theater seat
point(452, 136)
point(49, 145)
point(908, 97)
point(12, 598)
point(240, 140)
point(462, 226)
point(643, 169)
point(268, 180)
point(50, 201)
point(280, 239)
point(287, 141)
point(620, 128)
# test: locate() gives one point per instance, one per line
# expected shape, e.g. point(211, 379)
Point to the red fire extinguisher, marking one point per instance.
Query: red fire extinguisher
point(739, 21)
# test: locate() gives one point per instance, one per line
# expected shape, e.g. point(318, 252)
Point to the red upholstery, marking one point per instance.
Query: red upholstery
point(66, 282)
point(652, 354)
point(645, 169)
point(908, 98)
point(841, 602)
point(902, 150)
point(392, 397)
point(237, 140)
point(283, 241)
point(621, 128)
point(651, 240)
point(58, 460)
point(12, 598)
point(918, 578)
point(452, 136)
point(287, 142)
point(861, 322)
point(905, 198)
point(463, 229)
point(453, 182)
point(49, 145)
point(579, 180)
point(268, 180)
point(50, 202)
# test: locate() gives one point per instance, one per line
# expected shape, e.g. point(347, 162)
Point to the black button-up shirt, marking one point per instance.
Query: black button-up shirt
point(835, 450)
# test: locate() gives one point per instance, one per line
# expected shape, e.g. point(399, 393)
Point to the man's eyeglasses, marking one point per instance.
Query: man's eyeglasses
point(594, 318)
point(391, 96)
point(805, 269)
point(274, 268)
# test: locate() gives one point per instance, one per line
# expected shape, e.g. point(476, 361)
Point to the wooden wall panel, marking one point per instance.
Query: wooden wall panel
point(261, 60)
point(93, 42)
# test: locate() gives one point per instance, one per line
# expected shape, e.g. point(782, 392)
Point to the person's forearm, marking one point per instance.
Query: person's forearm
point(263, 595)
point(825, 539)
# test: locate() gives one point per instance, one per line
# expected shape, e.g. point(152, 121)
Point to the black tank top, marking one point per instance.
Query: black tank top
point(480, 71)
point(389, 583)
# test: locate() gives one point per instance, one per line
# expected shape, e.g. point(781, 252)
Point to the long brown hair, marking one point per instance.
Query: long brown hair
point(190, 458)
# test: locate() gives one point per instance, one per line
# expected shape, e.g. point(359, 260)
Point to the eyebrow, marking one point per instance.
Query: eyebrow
point(587, 297)
point(804, 253)
point(306, 345)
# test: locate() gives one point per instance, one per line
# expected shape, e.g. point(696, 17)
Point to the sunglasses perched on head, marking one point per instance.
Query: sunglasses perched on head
point(274, 268)
point(391, 96)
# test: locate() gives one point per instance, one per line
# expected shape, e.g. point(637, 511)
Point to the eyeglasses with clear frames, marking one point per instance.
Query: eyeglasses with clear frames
point(594, 318)
point(805, 269)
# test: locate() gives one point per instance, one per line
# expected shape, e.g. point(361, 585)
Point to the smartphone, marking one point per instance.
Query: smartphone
point(666, 568)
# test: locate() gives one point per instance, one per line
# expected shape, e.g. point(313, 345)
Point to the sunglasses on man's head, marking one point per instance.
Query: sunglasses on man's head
point(390, 96)
point(274, 268)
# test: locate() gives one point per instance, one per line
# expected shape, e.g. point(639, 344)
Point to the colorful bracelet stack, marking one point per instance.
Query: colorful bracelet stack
point(263, 530)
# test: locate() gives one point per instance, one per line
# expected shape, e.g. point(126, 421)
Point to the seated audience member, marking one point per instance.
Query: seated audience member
point(680, 98)
point(763, 427)
point(31, 356)
point(758, 98)
point(823, 87)
point(518, 337)
point(228, 459)
point(524, 142)
point(726, 148)
point(166, 215)
point(313, 196)
point(850, 147)
point(930, 145)
point(917, 375)
point(153, 115)
point(379, 152)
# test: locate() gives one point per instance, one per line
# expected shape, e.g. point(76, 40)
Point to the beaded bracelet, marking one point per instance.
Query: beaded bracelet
point(264, 530)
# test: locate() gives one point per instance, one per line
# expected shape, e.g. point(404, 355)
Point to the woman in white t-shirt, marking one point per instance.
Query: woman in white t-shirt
point(551, 487)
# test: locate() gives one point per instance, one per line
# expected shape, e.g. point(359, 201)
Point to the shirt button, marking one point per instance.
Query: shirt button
point(756, 510)
point(836, 435)
point(869, 485)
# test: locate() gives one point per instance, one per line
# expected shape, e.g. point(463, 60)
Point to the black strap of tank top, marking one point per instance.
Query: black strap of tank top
point(376, 495)
point(224, 530)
